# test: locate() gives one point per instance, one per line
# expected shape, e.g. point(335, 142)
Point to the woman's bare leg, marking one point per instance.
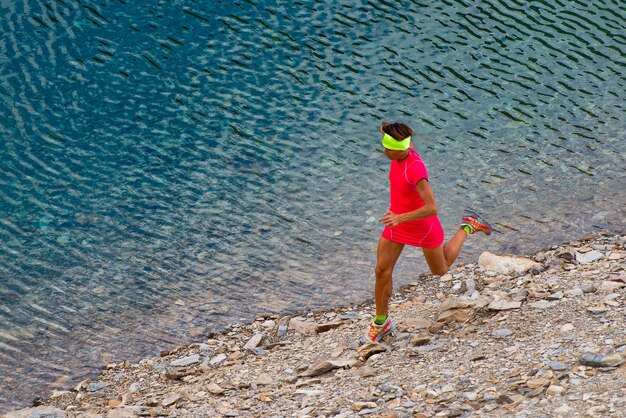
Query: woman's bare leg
point(452, 248)
point(441, 258)
point(386, 257)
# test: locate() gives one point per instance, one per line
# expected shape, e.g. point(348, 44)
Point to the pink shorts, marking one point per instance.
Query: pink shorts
point(425, 233)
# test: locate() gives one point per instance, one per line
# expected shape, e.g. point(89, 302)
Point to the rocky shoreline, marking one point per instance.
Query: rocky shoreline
point(508, 336)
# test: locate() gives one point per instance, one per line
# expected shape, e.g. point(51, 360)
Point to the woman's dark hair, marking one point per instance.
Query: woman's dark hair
point(399, 131)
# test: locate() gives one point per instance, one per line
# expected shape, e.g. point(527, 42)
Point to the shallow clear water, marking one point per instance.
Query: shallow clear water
point(168, 168)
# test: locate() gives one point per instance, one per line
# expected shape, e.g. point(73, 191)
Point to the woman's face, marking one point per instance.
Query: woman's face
point(396, 155)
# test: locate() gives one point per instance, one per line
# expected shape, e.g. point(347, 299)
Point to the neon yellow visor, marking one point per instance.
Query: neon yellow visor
point(393, 144)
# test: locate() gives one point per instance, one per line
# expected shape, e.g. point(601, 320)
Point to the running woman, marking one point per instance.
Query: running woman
point(411, 220)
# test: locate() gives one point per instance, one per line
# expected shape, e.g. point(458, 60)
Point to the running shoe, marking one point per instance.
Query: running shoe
point(378, 332)
point(476, 223)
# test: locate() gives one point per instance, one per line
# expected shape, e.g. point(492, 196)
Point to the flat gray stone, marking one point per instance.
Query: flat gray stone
point(218, 359)
point(540, 304)
point(502, 333)
point(96, 386)
point(38, 412)
point(598, 360)
point(302, 327)
point(253, 342)
point(503, 305)
point(185, 361)
point(170, 399)
point(588, 288)
point(428, 347)
point(575, 292)
point(557, 365)
point(555, 296)
point(589, 257)
point(260, 351)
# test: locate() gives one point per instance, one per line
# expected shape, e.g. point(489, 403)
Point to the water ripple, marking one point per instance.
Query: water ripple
point(163, 160)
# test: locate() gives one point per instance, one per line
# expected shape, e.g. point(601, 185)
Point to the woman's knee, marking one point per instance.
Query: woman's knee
point(383, 272)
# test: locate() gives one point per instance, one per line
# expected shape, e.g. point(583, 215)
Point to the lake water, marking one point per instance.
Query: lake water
point(168, 168)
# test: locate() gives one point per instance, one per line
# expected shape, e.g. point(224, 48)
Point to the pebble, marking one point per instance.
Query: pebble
point(264, 379)
point(253, 342)
point(540, 304)
point(607, 286)
point(555, 296)
point(170, 399)
point(420, 339)
point(489, 396)
point(575, 292)
point(563, 409)
point(96, 386)
point(502, 333)
point(215, 389)
point(596, 410)
point(555, 390)
point(537, 383)
point(557, 365)
point(504, 305)
point(349, 316)
point(588, 288)
point(472, 396)
point(367, 371)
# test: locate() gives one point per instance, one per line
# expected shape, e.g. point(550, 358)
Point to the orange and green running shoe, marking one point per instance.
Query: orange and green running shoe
point(475, 223)
point(378, 332)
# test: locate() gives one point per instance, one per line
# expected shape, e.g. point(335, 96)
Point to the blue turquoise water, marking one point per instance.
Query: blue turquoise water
point(168, 168)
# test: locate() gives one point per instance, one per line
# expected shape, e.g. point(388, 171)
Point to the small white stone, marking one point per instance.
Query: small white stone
point(215, 389)
point(264, 379)
point(575, 292)
point(555, 390)
point(563, 409)
point(170, 399)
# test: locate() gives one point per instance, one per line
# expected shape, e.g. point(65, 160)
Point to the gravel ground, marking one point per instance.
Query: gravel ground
point(506, 337)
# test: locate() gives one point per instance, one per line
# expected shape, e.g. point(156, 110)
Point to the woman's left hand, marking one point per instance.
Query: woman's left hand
point(390, 219)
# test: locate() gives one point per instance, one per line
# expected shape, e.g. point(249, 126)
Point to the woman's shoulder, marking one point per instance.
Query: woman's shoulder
point(415, 156)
